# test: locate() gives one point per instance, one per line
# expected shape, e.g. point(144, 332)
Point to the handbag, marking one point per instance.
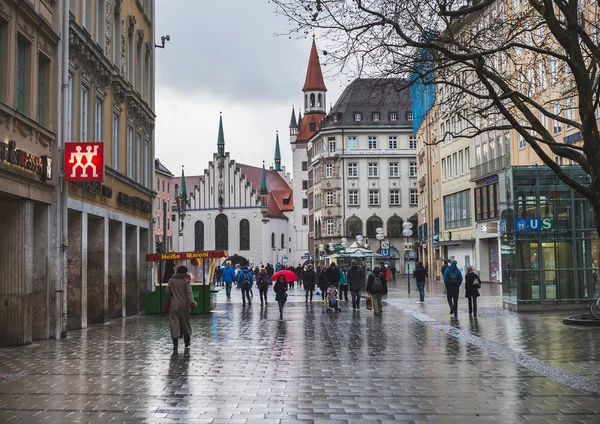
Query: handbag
point(369, 300)
point(478, 284)
point(167, 302)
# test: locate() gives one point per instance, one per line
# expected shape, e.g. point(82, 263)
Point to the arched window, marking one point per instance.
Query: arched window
point(199, 236)
point(372, 224)
point(320, 100)
point(305, 101)
point(354, 226)
point(394, 226)
point(312, 100)
point(244, 234)
point(221, 232)
point(273, 240)
point(282, 240)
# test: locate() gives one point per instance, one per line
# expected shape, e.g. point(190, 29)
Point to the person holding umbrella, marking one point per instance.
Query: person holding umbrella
point(280, 290)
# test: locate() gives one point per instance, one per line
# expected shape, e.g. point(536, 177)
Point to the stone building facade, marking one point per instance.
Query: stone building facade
point(163, 230)
point(363, 171)
point(29, 64)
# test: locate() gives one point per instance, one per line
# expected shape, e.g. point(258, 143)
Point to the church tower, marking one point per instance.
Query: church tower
point(302, 129)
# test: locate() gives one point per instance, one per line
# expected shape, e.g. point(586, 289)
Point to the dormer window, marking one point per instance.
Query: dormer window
point(313, 126)
point(409, 116)
point(393, 116)
point(376, 116)
point(335, 118)
point(357, 116)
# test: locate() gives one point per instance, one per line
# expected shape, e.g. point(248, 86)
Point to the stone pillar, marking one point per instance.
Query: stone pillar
point(97, 278)
point(40, 279)
point(16, 268)
point(143, 268)
point(116, 263)
point(132, 270)
point(76, 268)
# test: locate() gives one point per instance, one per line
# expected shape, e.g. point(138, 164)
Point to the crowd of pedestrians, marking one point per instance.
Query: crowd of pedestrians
point(324, 279)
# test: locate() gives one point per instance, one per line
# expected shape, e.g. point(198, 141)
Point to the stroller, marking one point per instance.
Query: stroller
point(332, 300)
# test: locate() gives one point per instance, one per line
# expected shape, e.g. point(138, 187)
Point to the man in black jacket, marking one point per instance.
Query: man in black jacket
point(309, 278)
point(420, 274)
point(356, 278)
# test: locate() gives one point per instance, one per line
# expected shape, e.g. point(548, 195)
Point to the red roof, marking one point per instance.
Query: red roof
point(314, 76)
point(281, 195)
point(279, 190)
point(305, 133)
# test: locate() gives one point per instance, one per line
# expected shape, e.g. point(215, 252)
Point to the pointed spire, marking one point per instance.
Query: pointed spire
point(264, 190)
point(221, 138)
point(277, 154)
point(299, 119)
point(182, 189)
point(314, 75)
point(293, 123)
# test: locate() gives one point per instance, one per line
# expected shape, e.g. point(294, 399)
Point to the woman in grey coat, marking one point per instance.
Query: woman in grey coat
point(181, 298)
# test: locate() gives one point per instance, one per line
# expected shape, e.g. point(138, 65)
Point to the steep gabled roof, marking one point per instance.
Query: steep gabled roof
point(305, 133)
point(314, 75)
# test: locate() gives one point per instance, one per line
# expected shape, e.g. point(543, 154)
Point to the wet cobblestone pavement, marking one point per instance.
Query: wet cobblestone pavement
point(412, 364)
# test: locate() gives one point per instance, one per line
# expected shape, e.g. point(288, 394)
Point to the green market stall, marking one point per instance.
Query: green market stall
point(201, 266)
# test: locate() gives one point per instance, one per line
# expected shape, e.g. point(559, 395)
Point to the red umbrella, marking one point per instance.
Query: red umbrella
point(289, 275)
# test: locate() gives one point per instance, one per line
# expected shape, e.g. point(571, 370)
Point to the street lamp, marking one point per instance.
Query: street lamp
point(407, 231)
point(163, 40)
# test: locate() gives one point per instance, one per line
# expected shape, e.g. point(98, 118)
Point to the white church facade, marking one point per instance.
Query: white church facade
point(242, 209)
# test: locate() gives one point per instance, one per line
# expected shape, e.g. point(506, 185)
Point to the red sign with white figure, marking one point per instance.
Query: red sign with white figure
point(84, 162)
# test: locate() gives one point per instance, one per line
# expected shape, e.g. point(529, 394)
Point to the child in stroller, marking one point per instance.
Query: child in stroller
point(332, 300)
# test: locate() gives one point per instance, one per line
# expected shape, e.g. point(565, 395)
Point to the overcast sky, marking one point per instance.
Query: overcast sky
point(224, 57)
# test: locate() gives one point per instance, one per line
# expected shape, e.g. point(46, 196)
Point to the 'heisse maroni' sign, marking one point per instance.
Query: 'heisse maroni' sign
point(180, 256)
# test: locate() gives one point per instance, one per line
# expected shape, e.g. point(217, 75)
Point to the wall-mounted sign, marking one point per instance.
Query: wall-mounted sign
point(41, 166)
point(533, 224)
point(491, 179)
point(570, 139)
point(84, 162)
point(97, 188)
point(135, 202)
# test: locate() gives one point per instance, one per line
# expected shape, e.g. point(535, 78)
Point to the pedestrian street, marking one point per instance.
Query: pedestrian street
point(414, 363)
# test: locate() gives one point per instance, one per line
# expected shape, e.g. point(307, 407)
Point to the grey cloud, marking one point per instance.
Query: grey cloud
point(226, 48)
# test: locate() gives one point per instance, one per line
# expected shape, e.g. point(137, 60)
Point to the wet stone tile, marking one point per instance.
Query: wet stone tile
point(413, 364)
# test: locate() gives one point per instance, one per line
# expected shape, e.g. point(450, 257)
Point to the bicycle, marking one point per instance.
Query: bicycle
point(595, 308)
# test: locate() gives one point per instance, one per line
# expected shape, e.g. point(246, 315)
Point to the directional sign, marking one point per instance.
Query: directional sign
point(385, 245)
point(385, 252)
point(547, 223)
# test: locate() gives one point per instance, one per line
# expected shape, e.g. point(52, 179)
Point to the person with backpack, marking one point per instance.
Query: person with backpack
point(309, 277)
point(472, 286)
point(420, 274)
point(344, 283)
point(356, 277)
point(263, 281)
point(245, 280)
point(280, 289)
point(377, 287)
point(228, 276)
point(452, 280)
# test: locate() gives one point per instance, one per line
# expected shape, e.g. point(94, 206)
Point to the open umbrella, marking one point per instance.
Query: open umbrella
point(289, 275)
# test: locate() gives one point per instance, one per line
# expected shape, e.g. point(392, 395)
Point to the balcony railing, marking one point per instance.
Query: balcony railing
point(490, 167)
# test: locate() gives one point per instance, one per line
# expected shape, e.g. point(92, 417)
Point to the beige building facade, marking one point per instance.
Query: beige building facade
point(111, 99)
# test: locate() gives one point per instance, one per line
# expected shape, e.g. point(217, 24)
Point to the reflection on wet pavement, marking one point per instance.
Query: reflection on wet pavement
point(415, 363)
